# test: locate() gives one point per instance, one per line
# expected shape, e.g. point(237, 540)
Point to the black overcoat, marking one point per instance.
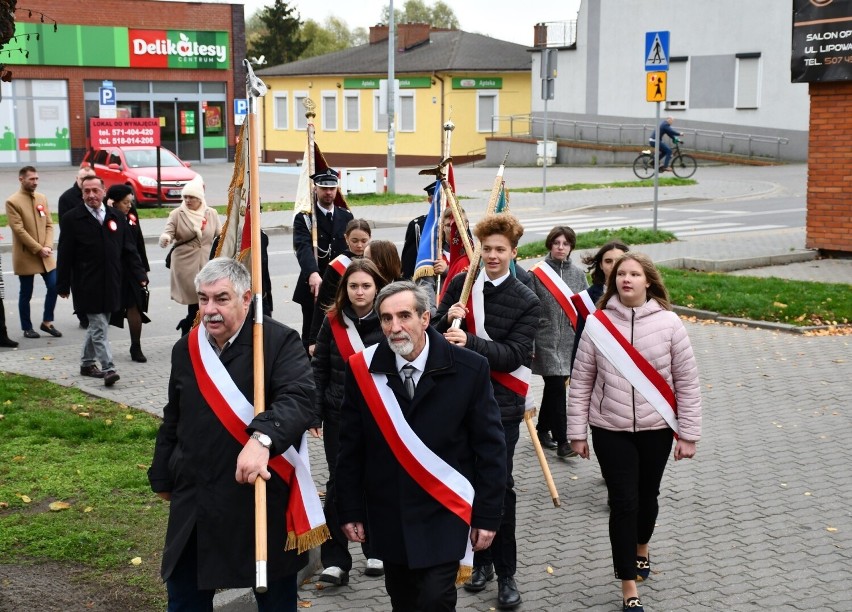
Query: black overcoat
point(454, 413)
point(92, 258)
point(329, 236)
point(195, 459)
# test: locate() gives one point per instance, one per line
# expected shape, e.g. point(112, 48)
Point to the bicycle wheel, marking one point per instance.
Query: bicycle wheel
point(684, 166)
point(643, 166)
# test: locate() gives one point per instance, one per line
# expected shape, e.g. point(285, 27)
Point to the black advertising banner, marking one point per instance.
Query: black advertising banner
point(822, 41)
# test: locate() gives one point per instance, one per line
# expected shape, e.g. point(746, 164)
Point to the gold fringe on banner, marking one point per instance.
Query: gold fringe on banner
point(308, 540)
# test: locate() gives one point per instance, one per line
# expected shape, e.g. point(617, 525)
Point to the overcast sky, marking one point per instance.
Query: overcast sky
point(511, 20)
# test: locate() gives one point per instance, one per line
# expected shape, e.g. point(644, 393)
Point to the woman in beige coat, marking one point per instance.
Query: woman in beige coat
point(191, 229)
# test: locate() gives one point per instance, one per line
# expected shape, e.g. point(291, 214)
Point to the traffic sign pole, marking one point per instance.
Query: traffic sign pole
point(656, 164)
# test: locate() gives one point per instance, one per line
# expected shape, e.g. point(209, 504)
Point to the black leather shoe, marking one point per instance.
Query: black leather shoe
point(50, 329)
point(508, 596)
point(136, 353)
point(565, 450)
point(7, 342)
point(31, 334)
point(546, 441)
point(91, 370)
point(481, 574)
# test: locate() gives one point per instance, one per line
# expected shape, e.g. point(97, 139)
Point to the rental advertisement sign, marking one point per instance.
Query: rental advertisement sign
point(96, 46)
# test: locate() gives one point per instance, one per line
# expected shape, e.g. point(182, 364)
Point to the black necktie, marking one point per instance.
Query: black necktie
point(330, 218)
point(408, 373)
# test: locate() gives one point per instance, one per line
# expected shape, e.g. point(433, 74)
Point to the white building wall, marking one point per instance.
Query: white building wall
point(605, 75)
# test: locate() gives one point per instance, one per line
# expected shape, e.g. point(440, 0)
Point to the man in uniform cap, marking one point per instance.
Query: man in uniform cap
point(412, 236)
point(331, 222)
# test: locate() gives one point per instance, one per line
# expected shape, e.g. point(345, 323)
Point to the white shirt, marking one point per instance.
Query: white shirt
point(497, 282)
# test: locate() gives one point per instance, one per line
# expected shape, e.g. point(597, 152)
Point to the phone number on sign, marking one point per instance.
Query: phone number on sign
point(132, 140)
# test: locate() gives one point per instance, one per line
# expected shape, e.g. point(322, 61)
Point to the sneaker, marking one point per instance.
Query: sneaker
point(633, 605)
point(375, 567)
point(50, 329)
point(110, 378)
point(92, 371)
point(334, 575)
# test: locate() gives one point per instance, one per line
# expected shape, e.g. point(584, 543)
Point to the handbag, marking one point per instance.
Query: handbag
point(171, 250)
point(146, 298)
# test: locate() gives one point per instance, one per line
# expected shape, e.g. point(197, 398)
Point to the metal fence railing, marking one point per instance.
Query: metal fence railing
point(627, 134)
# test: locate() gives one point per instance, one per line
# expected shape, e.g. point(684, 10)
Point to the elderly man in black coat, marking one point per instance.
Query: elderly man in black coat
point(446, 416)
point(209, 449)
point(95, 247)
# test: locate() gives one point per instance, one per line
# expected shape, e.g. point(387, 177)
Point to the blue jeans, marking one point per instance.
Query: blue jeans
point(185, 596)
point(26, 294)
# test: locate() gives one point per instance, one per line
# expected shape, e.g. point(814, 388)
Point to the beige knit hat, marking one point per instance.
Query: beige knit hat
point(195, 188)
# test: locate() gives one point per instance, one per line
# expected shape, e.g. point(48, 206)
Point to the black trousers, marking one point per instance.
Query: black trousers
point(422, 590)
point(632, 465)
point(552, 416)
point(335, 551)
point(307, 319)
point(503, 552)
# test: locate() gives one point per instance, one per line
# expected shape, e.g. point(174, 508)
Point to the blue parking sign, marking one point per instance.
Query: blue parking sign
point(106, 96)
point(240, 106)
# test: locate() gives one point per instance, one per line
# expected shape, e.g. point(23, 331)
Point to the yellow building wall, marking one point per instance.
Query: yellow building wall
point(424, 137)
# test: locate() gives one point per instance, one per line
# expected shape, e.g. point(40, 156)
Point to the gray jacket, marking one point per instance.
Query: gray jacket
point(555, 337)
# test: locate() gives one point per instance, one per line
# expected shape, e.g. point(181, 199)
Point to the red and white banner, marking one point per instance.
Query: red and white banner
point(558, 289)
point(305, 519)
point(346, 337)
point(434, 475)
point(517, 381)
point(633, 366)
point(340, 263)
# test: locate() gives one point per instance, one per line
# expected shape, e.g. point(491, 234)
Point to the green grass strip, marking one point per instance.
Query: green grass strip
point(596, 238)
point(664, 182)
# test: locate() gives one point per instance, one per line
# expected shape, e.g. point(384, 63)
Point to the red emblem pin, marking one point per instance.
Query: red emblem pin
point(112, 225)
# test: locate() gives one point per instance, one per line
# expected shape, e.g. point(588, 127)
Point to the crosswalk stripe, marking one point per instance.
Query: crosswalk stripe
point(750, 228)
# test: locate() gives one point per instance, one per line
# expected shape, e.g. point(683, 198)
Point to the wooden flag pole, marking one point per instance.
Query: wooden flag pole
point(310, 105)
point(548, 477)
point(256, 88)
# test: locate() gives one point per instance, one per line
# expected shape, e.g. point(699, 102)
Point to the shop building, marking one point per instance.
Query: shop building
point(444, 75)
point(178, 61)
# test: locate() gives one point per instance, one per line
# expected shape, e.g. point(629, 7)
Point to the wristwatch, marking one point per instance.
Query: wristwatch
point(265, 441)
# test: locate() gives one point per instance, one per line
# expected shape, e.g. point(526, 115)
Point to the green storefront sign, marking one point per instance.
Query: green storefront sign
point(373, 83)
point(477, 83)
point(93, 46)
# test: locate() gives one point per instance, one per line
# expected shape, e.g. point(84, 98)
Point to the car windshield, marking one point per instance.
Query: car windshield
point(147, 158)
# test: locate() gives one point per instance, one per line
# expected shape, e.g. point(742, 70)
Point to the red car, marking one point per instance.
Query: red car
point(136, 167)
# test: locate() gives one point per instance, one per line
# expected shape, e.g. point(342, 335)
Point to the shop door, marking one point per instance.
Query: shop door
point(215, 140)
point(179, 128)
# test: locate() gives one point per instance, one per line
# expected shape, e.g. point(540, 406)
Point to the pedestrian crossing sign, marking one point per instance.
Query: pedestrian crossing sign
point(655, 90)
point(656, 51)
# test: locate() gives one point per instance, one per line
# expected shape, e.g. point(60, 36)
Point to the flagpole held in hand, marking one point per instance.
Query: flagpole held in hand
point(256, 88)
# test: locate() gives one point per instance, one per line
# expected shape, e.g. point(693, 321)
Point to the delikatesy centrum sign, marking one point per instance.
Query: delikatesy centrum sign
point(115, 47)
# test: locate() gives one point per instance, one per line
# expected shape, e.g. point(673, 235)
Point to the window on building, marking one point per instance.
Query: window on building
point(748, 80)
point(329, 111)
point(299, 120)
point(380, 118)
point(406, 112)
point(486, 111)
point(279, 112)
point(677, 86)
point(352, 111)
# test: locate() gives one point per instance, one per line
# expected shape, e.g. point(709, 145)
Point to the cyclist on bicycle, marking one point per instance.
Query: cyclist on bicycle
point(666, 129)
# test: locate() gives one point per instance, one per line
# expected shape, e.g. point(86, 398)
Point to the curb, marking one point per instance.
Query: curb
point(242, 600)
point(709, 315)
point(729, 265)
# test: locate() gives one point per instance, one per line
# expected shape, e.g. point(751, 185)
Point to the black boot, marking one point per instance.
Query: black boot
point(481, 574)
point(5, 341)
point(508, 596)
point(136, 353)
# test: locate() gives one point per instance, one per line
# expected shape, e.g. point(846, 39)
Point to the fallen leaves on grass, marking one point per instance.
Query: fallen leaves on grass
point(136, 561)
point(58, 506)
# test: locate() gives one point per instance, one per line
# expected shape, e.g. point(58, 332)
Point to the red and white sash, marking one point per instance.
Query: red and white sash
point(434, 475)
point(305, 519)
point(340, 263)
point(346, 337)
point(583, 303)
point(633, 366)
point(557, 288)
point(517, 381)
